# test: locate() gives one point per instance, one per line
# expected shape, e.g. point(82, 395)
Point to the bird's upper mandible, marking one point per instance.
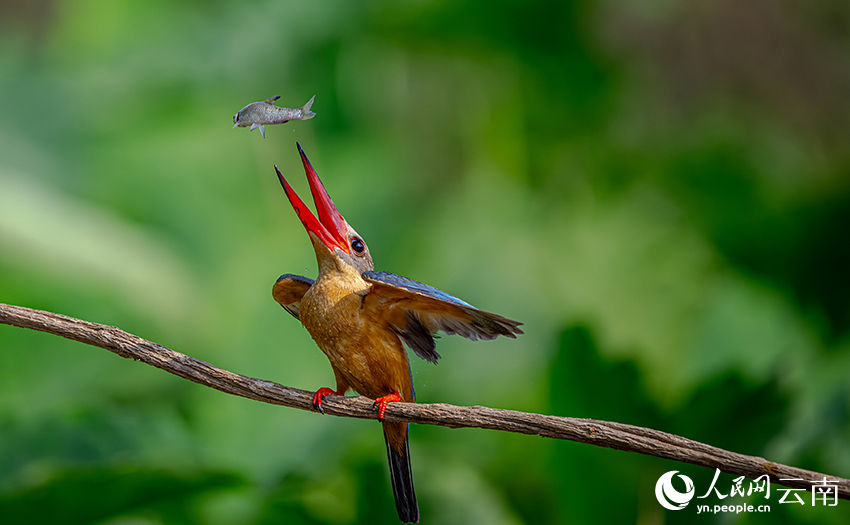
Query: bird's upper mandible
point(335, 242)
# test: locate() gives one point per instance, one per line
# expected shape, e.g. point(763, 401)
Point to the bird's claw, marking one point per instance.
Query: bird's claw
point(382, 403)
point(319, 396)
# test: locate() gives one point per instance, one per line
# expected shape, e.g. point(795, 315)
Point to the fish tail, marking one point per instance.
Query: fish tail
point(305, 109)
point(398, 453)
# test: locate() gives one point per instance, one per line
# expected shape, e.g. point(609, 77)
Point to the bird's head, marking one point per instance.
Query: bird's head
point(338, 247)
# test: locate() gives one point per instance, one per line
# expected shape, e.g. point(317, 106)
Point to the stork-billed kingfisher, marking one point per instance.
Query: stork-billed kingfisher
point(361, 320)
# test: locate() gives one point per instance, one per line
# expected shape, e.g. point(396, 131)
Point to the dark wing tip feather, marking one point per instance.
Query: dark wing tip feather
point(293, 310)
point(418, 338)
point(495, 324)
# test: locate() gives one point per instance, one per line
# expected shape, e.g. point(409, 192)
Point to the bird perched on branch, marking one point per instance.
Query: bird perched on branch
point(361, 320)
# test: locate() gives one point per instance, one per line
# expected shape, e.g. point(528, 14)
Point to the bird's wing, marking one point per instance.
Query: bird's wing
point(288, 291)
point(417, 311)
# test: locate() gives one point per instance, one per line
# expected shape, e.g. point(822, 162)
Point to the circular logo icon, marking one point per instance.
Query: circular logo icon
point(670, 498)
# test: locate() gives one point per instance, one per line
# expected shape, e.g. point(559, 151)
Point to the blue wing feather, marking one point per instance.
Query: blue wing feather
point(410, 285)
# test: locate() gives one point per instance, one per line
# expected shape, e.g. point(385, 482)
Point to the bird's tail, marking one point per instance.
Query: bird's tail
point(395, 435)
point(306, 114)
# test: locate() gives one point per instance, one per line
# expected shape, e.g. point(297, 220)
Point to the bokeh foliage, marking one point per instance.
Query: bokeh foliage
point(659, 190)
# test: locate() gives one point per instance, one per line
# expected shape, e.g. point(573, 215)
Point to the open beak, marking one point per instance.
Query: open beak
point(330, 227)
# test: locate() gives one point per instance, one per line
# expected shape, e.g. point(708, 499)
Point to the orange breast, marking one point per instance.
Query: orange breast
point(364, 351)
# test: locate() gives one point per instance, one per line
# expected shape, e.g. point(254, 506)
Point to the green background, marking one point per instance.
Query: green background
point(658, 190)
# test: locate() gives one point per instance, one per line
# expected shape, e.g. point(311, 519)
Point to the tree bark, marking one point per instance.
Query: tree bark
point(600, 433)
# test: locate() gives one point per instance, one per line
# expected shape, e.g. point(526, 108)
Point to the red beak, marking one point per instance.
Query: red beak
point(330, 228)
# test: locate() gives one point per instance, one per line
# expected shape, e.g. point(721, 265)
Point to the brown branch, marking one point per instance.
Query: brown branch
point(601, 433)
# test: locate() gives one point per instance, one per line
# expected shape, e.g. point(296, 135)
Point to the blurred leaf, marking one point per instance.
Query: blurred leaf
point(71, 240)
point(583, 385)
point(85, 495)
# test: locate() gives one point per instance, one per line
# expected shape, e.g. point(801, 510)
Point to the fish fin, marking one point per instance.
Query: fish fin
point(254, 126)
point(271, 100)
point(306, 114)
point(262, 131)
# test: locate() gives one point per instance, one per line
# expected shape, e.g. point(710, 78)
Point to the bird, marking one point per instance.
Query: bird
point(361, 319)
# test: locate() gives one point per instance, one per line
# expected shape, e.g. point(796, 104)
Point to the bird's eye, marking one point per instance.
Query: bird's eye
point(358, 246)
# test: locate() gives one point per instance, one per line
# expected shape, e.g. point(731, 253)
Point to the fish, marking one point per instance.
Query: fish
point(258, 114)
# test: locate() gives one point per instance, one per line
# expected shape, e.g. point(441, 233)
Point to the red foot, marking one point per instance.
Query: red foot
point(382, 403)
point(320, 394)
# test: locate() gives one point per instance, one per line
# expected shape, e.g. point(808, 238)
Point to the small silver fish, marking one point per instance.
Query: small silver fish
point(258, 114)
